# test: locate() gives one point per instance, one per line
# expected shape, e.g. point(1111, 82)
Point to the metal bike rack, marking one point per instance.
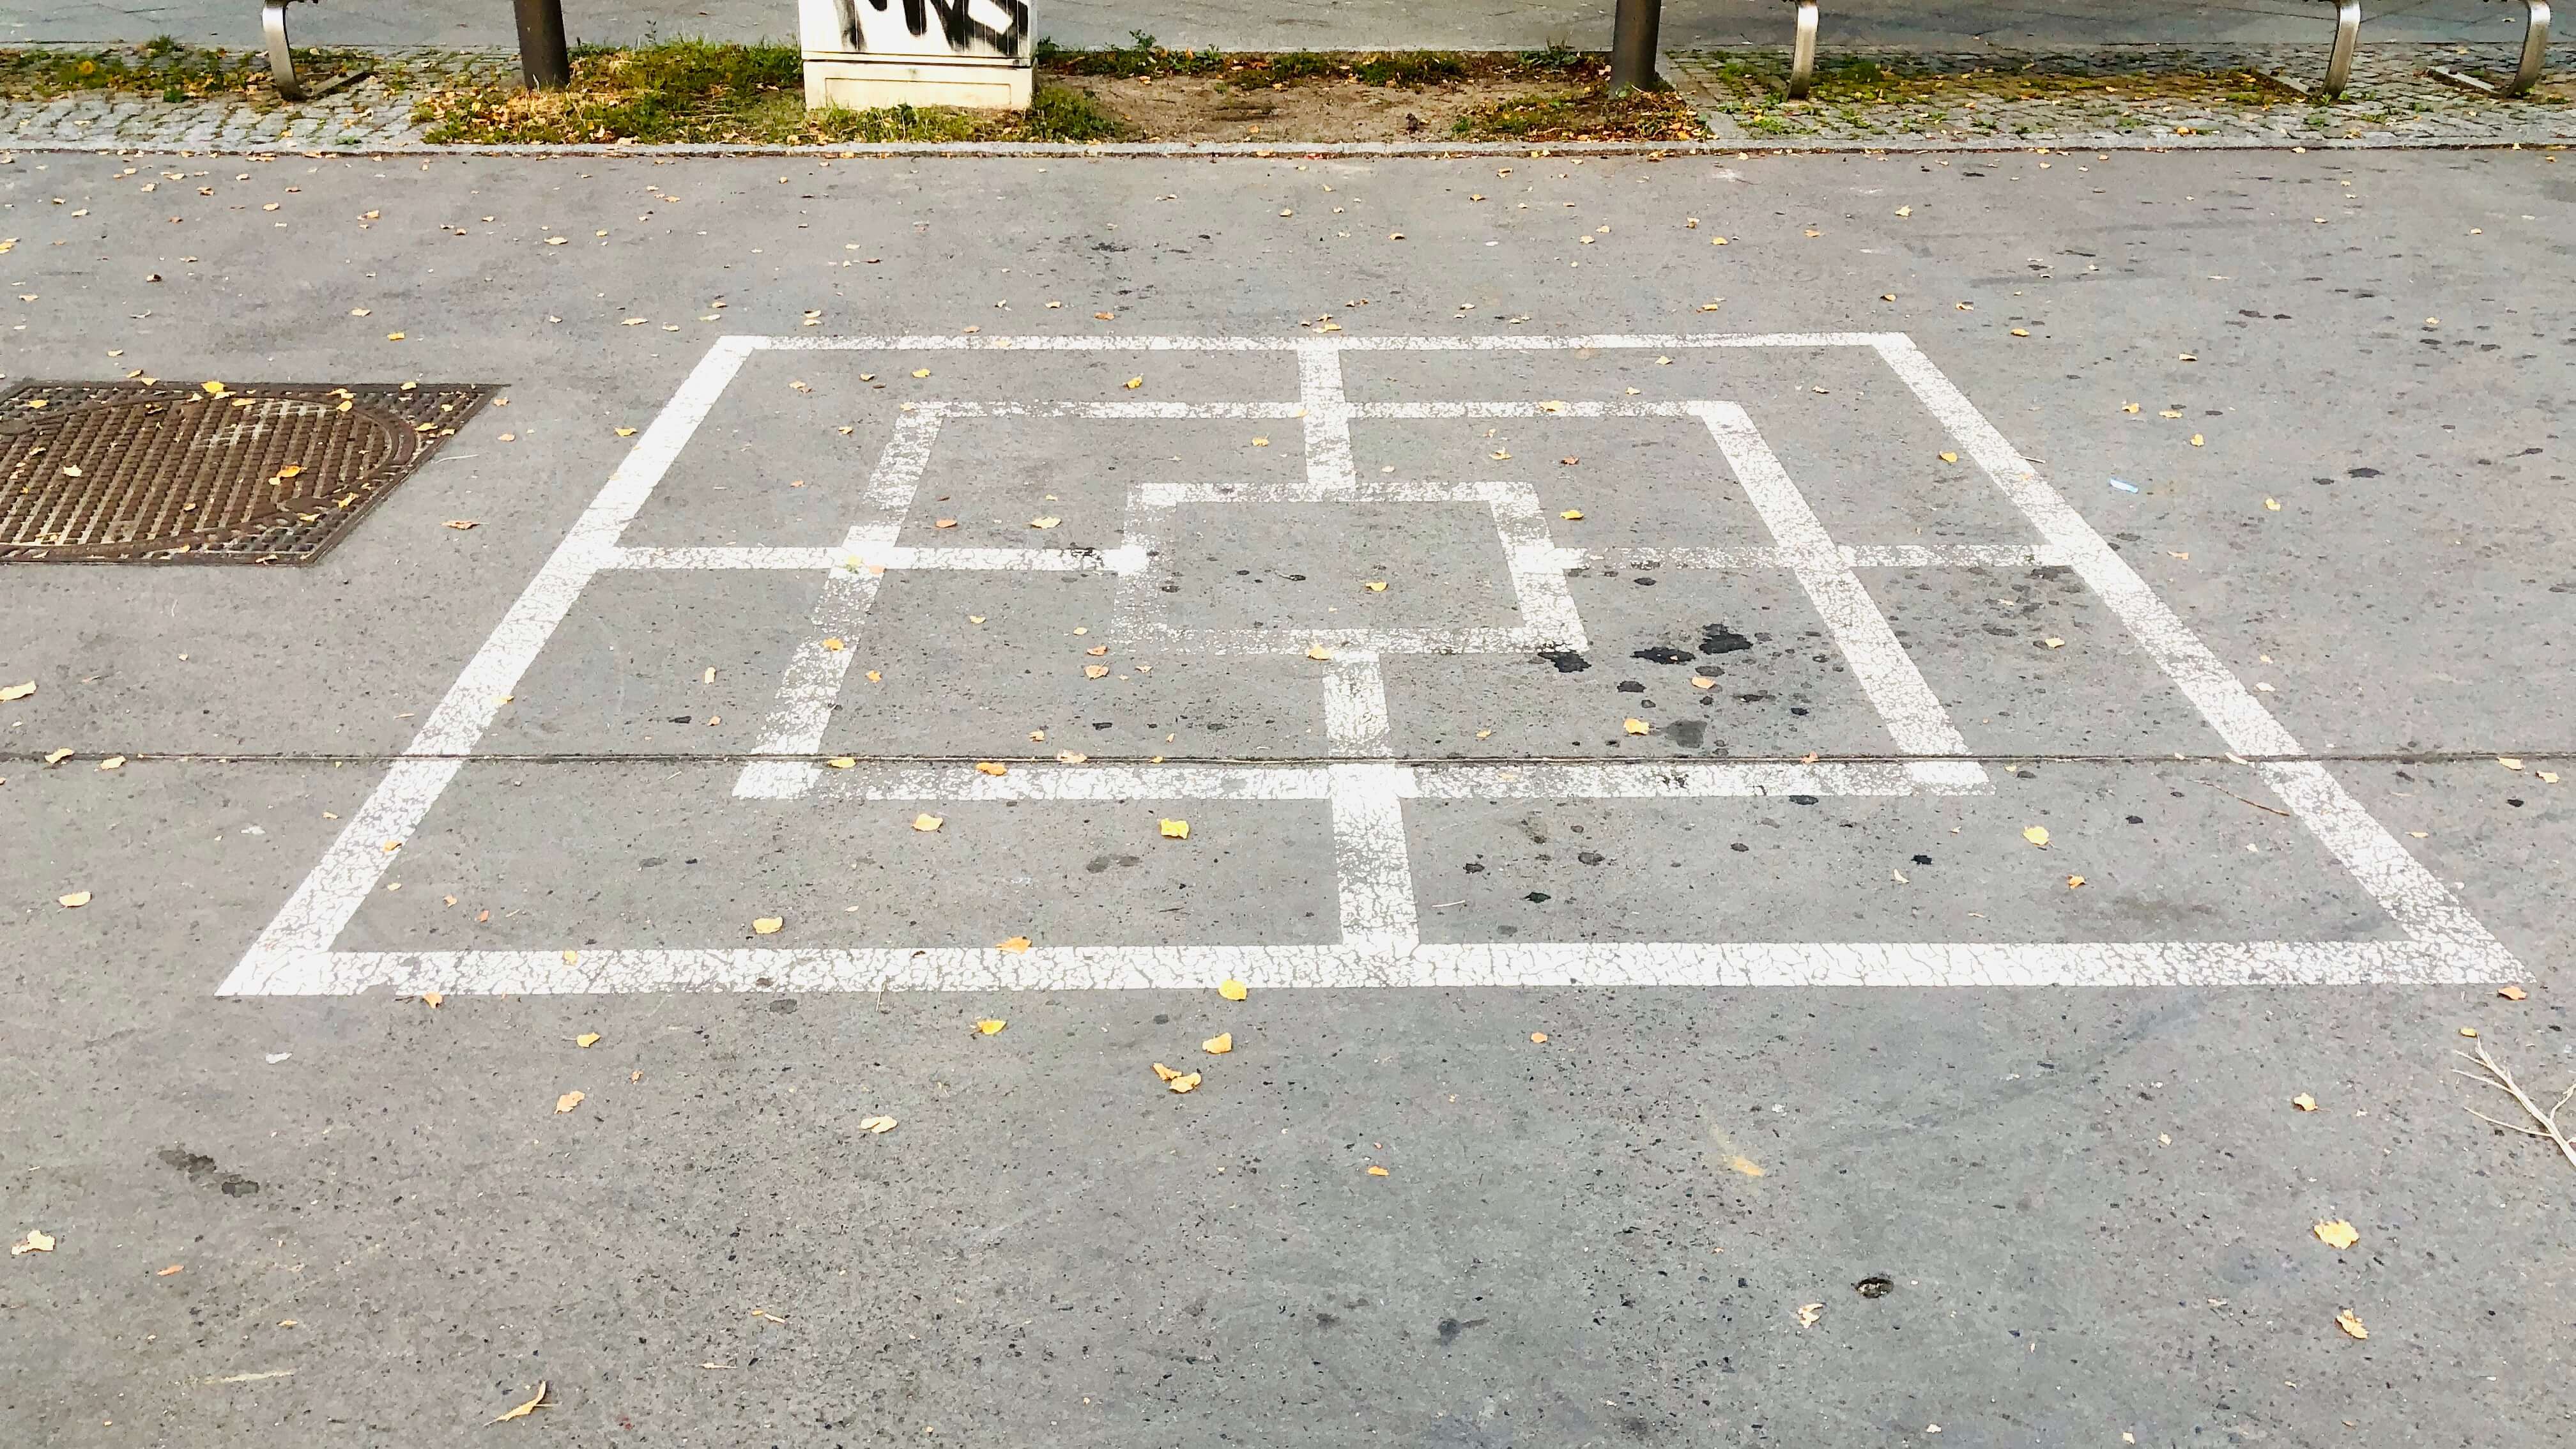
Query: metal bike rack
point(281, 61)
point(2526, 72)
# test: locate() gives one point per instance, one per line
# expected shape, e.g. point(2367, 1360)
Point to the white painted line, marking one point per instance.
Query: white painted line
point(1657, 782)
point(723, 558)
point(1340, 342)
point(1075, 782)
point(1328, 421)
point(321, 906)
point(1371, 862)
point(999, 560)
point(811, 688)
point(1376, 488)
point(1735, 964)
point(1380, 944)
point(1137, 409)
point(1914, 716)
point(1427, 411)
point(1355, 707)
point(2399, 882)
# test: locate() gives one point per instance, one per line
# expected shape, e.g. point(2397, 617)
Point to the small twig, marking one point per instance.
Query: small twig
point(2493, 1074)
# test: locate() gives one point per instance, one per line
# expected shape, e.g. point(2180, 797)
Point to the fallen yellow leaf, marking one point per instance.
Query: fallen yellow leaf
point(2512, 993)
point(1095, 671)
point(12, 692)
point(767, 925)
point(1571, 515)
point(1375, 586)
point(1183, 1081)
point(2509, 762)
point(74, 901)
point(1702, 681)
point(1949, 457)
point(1746, 1165)
point(1048, 522)
point(834, 645)
point(2074, 882)
point(433, 999)
point(2054, 642)
point(1808, 1313)
point(1015, 945)
point(1134, 382)
point(991, 767)
point(1232, 990)
point(173, 1269)
point(1176, 830)
point(2337, 1234)
point(2468, 1031)
point(921, 372)
point(927, 822)
point(1377, 1172)
point(36, 1241)
point(2304, 1102)
point(2350, 1323)
point(878, 1125)
point(1635, 726)
point(538, 1399)
point(2196, 440)
point(841, 762)
point(586, 1040)
point(1318, 651)
point(2035, 834)
point(991, 1025)
point(570, 1100)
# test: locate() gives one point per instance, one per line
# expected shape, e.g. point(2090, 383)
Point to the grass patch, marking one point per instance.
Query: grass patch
point(1397, 69)
point(162, 68)
point(704, 92)
point(1591, 114)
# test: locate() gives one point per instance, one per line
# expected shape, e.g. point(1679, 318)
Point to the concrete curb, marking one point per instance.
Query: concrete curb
point(1184, 150)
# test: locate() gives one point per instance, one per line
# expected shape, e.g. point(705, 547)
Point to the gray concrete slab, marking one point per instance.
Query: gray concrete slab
point(2094, 1203)
point(1317, 24)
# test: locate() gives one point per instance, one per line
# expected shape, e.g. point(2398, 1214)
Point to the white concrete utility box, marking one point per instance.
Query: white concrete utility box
point(861, 54)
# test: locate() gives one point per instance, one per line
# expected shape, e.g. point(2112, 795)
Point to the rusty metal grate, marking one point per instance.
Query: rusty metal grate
point(265, 473)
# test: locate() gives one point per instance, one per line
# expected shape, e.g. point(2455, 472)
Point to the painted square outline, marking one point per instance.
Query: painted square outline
point(294, 955)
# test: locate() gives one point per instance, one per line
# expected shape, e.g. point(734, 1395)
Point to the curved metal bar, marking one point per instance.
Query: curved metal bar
point(2535, 49)
point(281, 64)
point(1802, 59)
point(2347, 39)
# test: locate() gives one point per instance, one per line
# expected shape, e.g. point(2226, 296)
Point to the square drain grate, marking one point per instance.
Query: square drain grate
point(263, 473)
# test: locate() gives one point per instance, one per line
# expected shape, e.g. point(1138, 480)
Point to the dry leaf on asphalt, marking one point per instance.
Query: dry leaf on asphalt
point(1572, 515)
point(2350, 1323)
point(16, 691)
point(56, 757)
point(1539, 1036)
point(172, 1271)
point(1232, 990)
point(1219, 1044)
point(74, 901)
point(436, 999)
point(841, 762)
point(926, 822)
point(36, 1241)
point(1702, 681)
point(2511, 993)
point(1318, 651)
point(2337, 1234)
point(991, 767)
point(1015, 945)
point(1164, 1072)
point(1176, 830)
point(1808, 1313)
point(1377, 1172)
point(1095, 671)
point(1048, 522)
point(767, 925)
point(2035, 834)
point(462, 524)
point(877, 1125)
point(538, 1399)
point(112, 762)
point(586, 1040)
point(570, 1100)
point(1635, 726)
point(991, 1025)
point(1375, 586)
point(2304, 1102)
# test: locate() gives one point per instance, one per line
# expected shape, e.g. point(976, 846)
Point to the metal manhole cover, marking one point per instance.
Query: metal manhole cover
point(259, 473)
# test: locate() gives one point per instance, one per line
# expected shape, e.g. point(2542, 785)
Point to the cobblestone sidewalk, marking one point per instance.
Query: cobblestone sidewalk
point(372, 112)
point(2103, 96)
point(2122, 95)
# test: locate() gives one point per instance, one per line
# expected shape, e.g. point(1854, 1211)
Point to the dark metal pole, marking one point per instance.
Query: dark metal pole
point(1632, 45)
point(544, 61)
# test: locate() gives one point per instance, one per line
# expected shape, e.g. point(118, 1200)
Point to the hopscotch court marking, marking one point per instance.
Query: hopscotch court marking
point(1363, 786)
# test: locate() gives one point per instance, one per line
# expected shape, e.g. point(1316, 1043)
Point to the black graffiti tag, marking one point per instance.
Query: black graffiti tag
point(957, 24)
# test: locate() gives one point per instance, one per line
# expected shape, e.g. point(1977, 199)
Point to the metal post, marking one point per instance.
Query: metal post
point(1632, 45)
point(545, 63)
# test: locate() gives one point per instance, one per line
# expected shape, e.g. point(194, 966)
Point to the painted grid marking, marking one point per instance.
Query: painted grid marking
point(1365, 790)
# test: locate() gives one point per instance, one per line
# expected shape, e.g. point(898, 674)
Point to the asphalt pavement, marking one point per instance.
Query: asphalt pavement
point(2132, 594)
